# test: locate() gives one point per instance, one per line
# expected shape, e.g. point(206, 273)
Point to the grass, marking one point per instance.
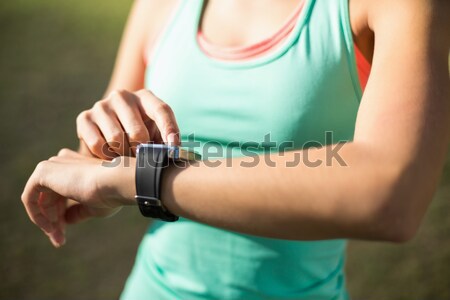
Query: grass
point(55, 60)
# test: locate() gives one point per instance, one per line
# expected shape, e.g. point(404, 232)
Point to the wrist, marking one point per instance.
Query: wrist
point(122, 180)
point(157, 167)
point(174, 183)
point(167, 181)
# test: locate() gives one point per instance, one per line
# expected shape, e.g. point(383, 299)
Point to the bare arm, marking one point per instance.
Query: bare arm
point(146, 20)
point(394, 163)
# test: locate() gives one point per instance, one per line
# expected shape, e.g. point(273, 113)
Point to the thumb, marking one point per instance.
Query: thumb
point(79, 212)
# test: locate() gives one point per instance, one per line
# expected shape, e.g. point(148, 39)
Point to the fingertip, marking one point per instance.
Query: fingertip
point(172, 139)
point(58, 239)
point(54, 242)
point(63, 241)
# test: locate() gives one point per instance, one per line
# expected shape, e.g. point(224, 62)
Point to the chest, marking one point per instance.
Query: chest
point(297, 93)
point(235, 23)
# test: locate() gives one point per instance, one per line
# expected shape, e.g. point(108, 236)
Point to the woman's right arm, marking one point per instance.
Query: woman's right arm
point(122, 107)
point(100, 125)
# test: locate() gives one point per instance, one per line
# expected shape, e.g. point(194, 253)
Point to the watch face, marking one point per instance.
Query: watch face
point(174, 152)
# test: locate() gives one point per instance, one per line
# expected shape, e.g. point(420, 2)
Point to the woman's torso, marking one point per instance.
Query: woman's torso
point(306, 92)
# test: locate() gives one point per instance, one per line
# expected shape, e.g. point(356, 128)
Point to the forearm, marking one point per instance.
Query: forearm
point(301, 202)
point(393, 167)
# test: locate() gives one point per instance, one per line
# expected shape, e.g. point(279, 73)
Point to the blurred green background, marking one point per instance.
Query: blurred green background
point(55, 60)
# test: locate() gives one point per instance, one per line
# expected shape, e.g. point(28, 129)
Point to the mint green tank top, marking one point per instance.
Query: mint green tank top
point(306, 87)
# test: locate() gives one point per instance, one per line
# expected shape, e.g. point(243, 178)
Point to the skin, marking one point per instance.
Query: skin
point(394, 162)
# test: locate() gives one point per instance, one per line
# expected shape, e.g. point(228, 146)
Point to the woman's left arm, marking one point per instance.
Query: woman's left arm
point(393, 164)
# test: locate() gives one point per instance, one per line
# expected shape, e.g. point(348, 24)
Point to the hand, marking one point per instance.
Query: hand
point(115, 125)
point(99, 188)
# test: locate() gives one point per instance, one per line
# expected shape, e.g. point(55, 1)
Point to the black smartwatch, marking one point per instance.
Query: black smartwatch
point(152, 159)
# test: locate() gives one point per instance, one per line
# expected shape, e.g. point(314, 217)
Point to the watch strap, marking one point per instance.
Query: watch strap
point(151, 161)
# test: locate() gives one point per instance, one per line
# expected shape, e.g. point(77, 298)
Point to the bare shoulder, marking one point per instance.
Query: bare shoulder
point(146, 20)
point(158, 9)
point(423, 7)
point(426, 17)
point(158, 12)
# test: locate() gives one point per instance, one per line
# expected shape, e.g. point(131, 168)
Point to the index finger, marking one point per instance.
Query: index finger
point(163, 116)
